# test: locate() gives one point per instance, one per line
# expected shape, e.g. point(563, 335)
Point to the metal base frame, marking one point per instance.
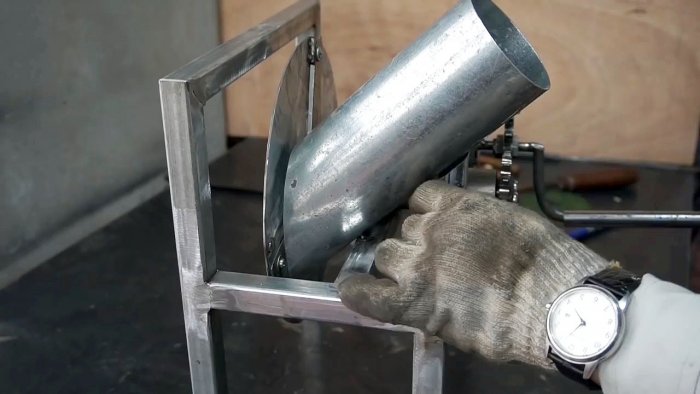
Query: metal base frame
point(205, 289)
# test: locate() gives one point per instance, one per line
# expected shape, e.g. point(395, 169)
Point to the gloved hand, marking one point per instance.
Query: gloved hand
point(474, 271)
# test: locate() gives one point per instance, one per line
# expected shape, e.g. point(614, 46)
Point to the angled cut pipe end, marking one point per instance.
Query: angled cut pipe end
point(454, 85)
point(512, 43)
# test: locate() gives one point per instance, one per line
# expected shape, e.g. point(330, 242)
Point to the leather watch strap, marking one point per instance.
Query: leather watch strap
point(572, 371)
point(616, 280)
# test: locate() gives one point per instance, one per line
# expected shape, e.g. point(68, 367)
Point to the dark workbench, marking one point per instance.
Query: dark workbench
point(77, 325)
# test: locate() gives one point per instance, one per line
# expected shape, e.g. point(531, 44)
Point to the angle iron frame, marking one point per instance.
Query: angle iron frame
point(206, 289)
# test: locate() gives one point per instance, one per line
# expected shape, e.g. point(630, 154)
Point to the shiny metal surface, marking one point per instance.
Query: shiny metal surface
point(428, 363)
point(360, 260)
point(325, 100)
point(458, 82)
point(361, 257)
point(205, 288)
point(319, 301)
point(287, 128)
point(183, 96)
point(284, 297)
point(631, 218)
point(190, 195)
point(295, 113)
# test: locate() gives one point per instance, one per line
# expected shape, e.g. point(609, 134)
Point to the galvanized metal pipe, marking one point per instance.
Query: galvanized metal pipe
point(457, 83)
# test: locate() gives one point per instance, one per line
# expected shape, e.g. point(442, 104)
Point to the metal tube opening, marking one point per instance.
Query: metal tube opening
point(512, 43)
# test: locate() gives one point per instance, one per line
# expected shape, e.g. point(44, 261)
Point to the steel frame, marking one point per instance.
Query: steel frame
point(204, 288)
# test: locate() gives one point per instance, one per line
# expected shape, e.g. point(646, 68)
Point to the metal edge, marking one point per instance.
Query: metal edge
point(216, 69)
point(286, 297)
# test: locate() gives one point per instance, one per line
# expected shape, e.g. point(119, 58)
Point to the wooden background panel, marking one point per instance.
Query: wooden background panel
point(625, 73)
point(625, 77)
point(251, 100)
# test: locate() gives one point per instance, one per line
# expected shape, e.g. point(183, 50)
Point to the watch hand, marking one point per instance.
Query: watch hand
point(577, 327)
point(583, 322)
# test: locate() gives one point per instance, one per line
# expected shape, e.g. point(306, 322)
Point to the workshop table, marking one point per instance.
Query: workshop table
point(76, 324)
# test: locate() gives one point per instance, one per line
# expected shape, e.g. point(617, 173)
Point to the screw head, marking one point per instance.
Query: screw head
point(315, 53)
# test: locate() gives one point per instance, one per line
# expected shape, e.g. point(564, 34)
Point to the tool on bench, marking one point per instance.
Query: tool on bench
point(607, 179)
point(596, 180)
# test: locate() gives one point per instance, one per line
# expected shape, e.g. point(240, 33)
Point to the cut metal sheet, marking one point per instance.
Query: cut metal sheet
point(290, 124)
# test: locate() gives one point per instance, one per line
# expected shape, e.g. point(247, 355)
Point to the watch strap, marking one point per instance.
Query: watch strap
point(571, 370)
point(615, 279)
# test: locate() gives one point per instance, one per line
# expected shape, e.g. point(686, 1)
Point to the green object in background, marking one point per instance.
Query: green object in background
point(565, 201)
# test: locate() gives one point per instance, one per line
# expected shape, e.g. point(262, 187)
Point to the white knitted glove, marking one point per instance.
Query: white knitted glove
point(473, 270)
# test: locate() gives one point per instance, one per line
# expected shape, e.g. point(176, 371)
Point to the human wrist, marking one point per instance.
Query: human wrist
point(560, 265)
point(599, 304)
point(658, 341)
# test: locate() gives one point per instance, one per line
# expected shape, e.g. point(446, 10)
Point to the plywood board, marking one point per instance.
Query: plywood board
point(625, 73)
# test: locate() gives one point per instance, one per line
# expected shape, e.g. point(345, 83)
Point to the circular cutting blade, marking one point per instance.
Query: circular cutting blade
point(290, 124)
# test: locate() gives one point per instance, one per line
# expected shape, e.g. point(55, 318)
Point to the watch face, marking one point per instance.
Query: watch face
point(583, 323)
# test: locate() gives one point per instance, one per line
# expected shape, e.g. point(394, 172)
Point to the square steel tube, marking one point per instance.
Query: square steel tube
point(204, 289)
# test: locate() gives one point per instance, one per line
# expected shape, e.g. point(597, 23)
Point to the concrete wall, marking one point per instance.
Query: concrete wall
point(80, 123)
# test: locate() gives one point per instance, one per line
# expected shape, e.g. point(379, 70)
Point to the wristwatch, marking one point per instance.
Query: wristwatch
point(586, 323)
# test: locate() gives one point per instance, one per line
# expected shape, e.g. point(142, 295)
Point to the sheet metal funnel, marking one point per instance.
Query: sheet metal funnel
point(453, 86)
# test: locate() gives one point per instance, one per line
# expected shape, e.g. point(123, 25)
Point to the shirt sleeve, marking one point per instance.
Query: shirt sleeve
point(660, 352)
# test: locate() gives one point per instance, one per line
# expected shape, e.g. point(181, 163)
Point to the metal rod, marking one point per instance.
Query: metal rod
point(186, 151)
point(284, 297)
point(631, 218)
point(601, 218)
point(538, 179)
